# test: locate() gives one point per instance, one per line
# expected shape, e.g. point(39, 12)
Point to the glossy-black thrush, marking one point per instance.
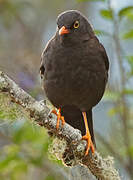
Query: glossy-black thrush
point(74, 68)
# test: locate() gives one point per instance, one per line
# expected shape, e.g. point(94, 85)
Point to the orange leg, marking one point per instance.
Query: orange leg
point(87, 136)
point(59, 117)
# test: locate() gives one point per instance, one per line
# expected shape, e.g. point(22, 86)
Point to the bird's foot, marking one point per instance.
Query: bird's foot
point(59, 117)
point(90, 145)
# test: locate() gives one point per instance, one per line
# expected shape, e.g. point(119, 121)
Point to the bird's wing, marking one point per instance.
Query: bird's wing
point(42, 68)
point(105, 57)
point(43, 57)
point(95, 43)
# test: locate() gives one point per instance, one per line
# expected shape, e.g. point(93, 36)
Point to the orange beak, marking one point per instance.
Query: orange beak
point(63, 30)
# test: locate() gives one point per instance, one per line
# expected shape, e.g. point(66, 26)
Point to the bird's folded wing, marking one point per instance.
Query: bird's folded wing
point(42, 69)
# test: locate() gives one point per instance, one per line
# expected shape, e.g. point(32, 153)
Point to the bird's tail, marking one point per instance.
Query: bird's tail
point(73, 116)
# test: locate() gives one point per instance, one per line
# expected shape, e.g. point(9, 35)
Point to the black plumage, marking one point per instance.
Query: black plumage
point(74, 67)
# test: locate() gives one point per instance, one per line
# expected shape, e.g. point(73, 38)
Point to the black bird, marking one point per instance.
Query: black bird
point(74, 69)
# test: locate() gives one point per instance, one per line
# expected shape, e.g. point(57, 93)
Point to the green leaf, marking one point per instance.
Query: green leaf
point(101, 33)
point(128, 35)
point(130, 61)
point(131, 150)
point(128, 91)
point(126, 12)
point(130, 16)
point(107, 14)
point(20, 166)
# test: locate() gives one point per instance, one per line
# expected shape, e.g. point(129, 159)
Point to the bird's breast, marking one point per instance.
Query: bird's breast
point(67, 68)
point(70, 74)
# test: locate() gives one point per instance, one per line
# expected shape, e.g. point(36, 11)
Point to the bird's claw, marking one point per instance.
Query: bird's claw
point(59, 117)
point(90, 145)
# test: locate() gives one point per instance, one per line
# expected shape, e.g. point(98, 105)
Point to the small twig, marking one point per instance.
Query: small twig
point(101, 168)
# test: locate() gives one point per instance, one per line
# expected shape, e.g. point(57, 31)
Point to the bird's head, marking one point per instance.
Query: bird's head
point(73, 26)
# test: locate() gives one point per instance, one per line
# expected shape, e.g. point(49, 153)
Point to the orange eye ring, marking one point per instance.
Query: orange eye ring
point(76, 24)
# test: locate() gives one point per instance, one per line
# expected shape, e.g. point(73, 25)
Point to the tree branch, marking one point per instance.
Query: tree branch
point(74, 150)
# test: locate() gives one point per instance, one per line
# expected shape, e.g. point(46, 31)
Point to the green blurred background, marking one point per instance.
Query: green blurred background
point(25, 28)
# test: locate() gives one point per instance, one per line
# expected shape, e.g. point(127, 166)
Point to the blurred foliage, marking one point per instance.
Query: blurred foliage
point(128, 35)
point(120, 93)
point(26, 146)
point(126, 12)
point(25, 25)
point(107, 14)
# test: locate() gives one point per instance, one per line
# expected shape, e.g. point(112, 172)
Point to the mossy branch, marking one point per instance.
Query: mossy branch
point(74, 149)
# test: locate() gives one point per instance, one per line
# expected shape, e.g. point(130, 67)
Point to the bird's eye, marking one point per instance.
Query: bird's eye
point(76, 24)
